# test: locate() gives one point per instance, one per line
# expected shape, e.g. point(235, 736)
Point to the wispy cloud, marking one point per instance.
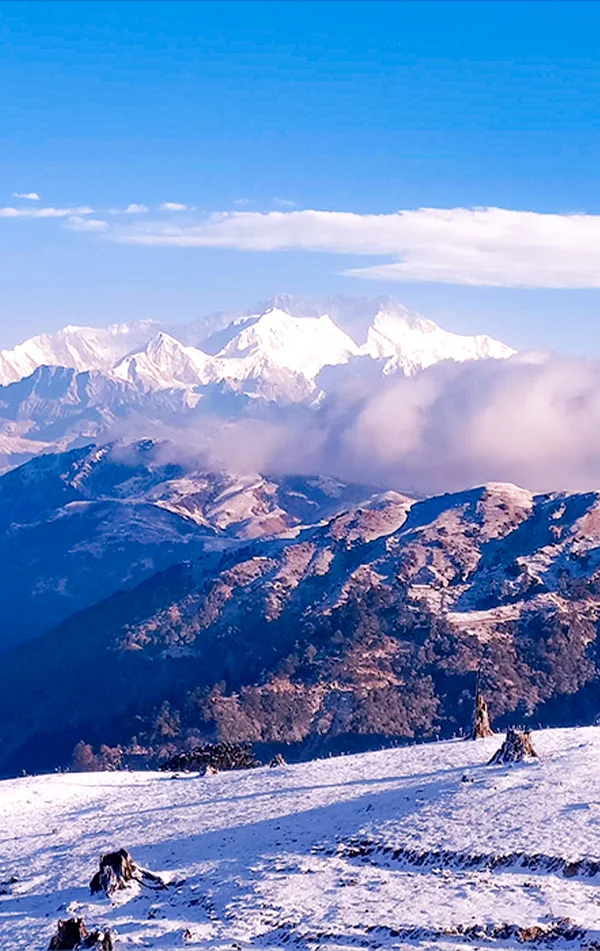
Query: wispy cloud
point(30, 196)
point(77, 223)
point(10, 212)
point(487, 246)
point(491, 247)
point(285, 203)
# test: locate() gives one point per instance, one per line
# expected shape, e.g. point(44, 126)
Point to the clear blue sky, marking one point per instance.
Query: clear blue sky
point(343, 107)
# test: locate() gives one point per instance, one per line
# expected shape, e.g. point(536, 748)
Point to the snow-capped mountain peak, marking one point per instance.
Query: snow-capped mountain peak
point(251, 345)
point(80, 348)
point(411, 342)
point(288, 352)
point(300, 344)
point(165, 362)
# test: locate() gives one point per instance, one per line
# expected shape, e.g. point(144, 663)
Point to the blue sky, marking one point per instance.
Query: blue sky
point(262, 111)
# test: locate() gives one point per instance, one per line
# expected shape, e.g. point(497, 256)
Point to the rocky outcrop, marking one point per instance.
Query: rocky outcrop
point(212, 758)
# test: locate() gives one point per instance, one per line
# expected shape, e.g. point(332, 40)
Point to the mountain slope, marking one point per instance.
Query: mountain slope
point(77, 526)
point(368, 626)
point(425, 846)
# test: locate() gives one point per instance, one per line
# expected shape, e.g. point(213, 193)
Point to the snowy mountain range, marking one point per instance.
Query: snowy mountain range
point(271, 602)
point(81, 382)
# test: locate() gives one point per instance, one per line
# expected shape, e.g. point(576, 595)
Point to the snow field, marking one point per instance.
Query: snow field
point(268, 857)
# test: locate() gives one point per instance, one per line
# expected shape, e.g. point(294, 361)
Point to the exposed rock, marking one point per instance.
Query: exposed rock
point(72, 935)
point(118, 870)
point(481, 723)
point(278, 760)
point(517, 747)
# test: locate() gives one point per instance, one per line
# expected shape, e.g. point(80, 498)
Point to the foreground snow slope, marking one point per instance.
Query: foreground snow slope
point(264, 858)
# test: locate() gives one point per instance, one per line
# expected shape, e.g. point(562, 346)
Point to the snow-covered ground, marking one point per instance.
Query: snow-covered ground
point(337, 853)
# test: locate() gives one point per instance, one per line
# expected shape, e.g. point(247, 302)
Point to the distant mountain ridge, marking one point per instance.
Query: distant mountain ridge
point(252, 345)
point(59, 390)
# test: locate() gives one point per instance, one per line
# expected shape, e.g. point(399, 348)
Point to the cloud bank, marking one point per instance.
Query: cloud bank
point(531, 420)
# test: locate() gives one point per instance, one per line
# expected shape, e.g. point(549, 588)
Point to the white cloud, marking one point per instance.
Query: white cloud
point(30, 196)
point(487, 246)
point(44, 212)
point(285, 203)
point(135, 209)
point(533, 422)
point(172, 206)
point(529, 421)
point(77, 223)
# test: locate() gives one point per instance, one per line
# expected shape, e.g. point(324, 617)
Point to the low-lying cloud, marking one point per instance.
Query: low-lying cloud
point(531, 420)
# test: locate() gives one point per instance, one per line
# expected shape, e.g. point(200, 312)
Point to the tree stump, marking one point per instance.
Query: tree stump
point(517, 748)
point(72, 935)
point(481, 721)
point(118, 870)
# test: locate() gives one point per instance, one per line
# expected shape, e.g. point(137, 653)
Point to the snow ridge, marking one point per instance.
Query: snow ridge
point(260, 346)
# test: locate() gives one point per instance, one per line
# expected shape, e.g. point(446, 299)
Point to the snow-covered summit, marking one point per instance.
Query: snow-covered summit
point(292, 337)
point(287, 352)
point(163, 363)
point(79, 348)
point(411, 343)
point(300, 344)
